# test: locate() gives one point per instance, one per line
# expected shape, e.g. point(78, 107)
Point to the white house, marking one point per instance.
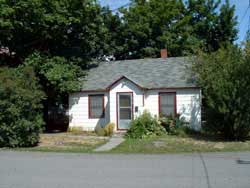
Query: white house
point(118, 91)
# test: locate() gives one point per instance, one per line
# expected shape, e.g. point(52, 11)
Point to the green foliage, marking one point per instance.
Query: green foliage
point(180, 26)
point(145, 126)
point(213, 23)
point(225, 76)
point(59, 27)
point(56, 73)
point(173, 124)
point(20, 104)
point(109, 129)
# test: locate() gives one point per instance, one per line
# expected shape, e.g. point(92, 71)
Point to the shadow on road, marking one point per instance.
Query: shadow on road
point(242, 162)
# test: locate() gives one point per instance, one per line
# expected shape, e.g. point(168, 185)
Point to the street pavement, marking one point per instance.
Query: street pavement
point(61, 170)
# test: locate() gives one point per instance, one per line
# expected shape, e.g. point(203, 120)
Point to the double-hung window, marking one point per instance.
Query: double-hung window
point(96, 106)
point(167, 104)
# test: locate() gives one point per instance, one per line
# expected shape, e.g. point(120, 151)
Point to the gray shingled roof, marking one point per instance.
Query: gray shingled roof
point(148, 73)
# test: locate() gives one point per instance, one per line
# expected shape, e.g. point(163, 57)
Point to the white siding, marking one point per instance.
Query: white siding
point(125, 85)
point(79, 114)
point(188, 104)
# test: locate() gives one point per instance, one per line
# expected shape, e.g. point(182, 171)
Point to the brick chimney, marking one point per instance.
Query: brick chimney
point(164, 53)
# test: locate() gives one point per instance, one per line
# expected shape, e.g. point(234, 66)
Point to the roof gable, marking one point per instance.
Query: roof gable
point(119, 79)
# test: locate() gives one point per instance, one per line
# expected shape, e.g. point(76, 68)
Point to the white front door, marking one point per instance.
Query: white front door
point(124, 110)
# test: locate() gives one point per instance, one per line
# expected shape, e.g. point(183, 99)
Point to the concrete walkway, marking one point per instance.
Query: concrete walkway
point(114, 141)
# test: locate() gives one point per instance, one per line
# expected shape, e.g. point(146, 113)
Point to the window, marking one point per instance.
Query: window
point(167, 104)
point(96, 106)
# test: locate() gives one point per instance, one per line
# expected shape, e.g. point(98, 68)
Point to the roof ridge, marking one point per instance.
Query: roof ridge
point(149, 58)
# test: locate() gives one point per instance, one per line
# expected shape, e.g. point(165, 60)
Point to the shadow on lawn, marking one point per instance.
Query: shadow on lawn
point(202, 136)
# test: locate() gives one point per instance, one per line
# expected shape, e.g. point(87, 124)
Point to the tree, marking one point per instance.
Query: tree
point(20, 103)
point(58, 76)
point(214, 24)
point(180, 26)
point(57, 38)
point(224, 76)
point(149, 27)
point(62, 27)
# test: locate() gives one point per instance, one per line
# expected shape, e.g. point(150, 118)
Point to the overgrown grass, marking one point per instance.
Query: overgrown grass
point(177, 144)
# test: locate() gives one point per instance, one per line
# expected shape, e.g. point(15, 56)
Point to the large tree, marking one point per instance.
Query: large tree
point(57, 38)
point(180, 26)
point(61, 27)
point(213, 23)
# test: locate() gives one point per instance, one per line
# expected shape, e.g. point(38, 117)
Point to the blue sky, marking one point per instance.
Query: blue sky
point(240, 5)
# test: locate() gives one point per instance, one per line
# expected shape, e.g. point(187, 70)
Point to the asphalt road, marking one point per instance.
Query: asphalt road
point(57, 170)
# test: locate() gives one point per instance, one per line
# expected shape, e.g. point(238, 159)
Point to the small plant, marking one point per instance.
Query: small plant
point(105, 131)
point(99, 130)
point(173, 124)
point(109, 129)
point(145, 126)
point(75, 129)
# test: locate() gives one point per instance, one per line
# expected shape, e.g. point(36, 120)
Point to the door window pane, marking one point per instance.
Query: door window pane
point(125, 100)
point(125, 113)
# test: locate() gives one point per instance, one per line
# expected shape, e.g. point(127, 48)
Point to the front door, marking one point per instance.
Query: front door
point(125, 110)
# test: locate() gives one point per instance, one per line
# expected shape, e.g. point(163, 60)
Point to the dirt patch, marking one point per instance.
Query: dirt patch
point(159, 144)
point(68, 139)
point(219, 145)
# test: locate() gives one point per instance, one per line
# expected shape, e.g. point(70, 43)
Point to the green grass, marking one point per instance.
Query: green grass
point(175, 144)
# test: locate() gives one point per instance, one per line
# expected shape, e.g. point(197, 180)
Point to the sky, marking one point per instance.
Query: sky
point(240, 10)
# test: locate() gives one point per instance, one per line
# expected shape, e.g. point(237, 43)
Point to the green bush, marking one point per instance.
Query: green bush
point(224, 76)
point(109, 129)
point(20, 103)
point(105, 131)
point(145, 126)
point(173, 124)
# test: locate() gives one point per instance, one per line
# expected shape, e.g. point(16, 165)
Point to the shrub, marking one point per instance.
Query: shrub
point(145, 126)
point(224, 76)
point(20, 103)
point(173, 124)
point(109, 129)
point(99, 131)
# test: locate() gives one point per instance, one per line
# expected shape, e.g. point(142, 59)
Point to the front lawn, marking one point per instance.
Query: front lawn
point(67, 142)
point(175, 144)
